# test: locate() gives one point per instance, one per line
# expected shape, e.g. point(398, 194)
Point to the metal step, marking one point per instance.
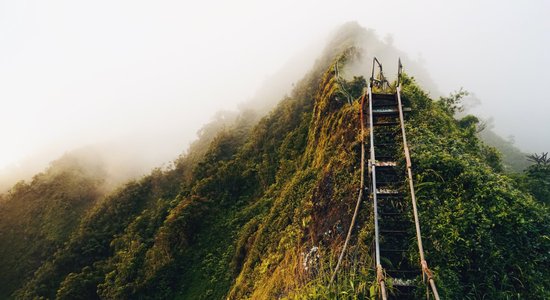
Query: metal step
point(396, 222)
point(377, 96)
point(385, 164)
point(389, 111)
point(403, 273)
point(403, 282)
point(383, 106)
point(390, 214)
point(385, 157)
point(386, 124)
point(385, 191)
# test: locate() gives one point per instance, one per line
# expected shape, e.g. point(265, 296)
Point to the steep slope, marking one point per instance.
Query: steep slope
point(37, 217)
point(486, 237)
point(260, 209)
point(513, 159)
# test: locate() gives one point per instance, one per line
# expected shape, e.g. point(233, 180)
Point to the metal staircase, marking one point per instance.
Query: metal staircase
point(396, 221)
point(391, 192)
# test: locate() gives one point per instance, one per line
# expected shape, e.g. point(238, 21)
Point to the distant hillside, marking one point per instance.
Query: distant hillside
point(258, 208)
point(36, 218)
point(514, 160)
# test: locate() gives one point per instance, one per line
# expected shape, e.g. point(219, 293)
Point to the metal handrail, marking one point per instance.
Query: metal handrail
point(372, 167)
point(381, 81)
point(399, 72)
point(380, 274)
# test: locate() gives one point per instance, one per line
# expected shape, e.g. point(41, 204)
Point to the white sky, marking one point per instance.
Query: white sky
point(74, 73)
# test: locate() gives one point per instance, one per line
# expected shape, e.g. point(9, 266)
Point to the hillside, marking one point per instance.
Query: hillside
point(514, 159)
point(259, 208)
point(37, 217)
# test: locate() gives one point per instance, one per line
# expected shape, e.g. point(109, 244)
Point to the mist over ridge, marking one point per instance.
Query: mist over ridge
point(258, 205)
point(143, 79)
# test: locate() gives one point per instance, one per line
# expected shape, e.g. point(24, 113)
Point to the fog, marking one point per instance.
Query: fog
point(141, 77)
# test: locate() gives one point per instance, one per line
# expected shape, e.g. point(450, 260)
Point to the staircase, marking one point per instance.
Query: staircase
point(396, 221)
point(395, 226)
point(391, 189)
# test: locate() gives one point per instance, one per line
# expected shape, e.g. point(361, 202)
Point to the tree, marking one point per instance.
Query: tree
point(538, 177)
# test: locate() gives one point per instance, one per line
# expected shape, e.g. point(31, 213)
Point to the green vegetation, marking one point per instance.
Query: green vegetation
point(536, 178)
point(513, 159)
point(259, 209)
point(485, 238)
point(36, 218)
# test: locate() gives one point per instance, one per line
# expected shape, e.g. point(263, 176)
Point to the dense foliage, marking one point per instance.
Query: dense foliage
point(486, 237)
point(259, 209)
point(36, 218)
point(536, 178)
point(513, 159)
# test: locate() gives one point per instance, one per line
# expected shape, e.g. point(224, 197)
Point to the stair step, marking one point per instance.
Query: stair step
point(386, 123)
point(387, 191)
point(403, 274)
point(381, 185)
point(382, 133)
point(393, 182)
point(389, 111)
point(385, 163)
point(384, 106)
point(403, 282)
point(383, 111)
point(376, 96)
point(390, 214)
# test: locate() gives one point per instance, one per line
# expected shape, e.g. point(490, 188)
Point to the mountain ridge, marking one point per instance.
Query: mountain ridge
point(259, 208)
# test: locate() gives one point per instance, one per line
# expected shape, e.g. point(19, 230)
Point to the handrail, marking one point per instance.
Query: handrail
point(372, 168)
point(426, 272)
point(381, 81)
point(380, 274)
point(399, 72)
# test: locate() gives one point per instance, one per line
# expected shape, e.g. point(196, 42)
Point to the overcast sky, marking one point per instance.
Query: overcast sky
point(74, 73)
